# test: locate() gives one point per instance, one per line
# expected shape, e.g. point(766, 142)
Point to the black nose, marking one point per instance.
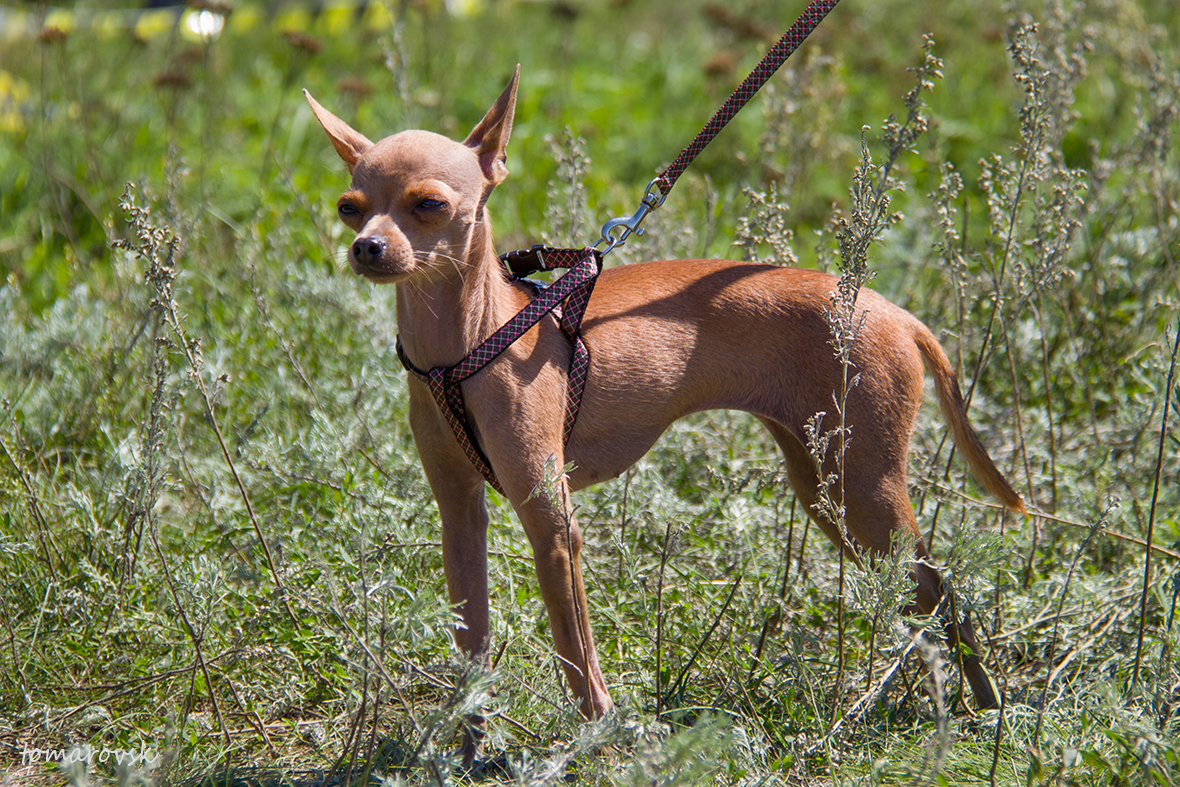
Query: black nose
point(367, 249)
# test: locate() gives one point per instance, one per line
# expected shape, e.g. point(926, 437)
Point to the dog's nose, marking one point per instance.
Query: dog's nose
point(367, 249)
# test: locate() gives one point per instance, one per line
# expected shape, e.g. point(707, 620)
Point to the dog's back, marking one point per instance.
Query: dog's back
point(690, 335)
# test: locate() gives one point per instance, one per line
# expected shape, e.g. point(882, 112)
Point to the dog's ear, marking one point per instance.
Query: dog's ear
point(349, 144)
point(490, 137)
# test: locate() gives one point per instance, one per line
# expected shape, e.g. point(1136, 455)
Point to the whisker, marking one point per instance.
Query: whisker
point(429, 257)
point(426, 256)
point(420, 291)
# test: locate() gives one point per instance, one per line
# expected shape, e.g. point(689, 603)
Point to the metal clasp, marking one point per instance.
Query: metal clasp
point(652, 199)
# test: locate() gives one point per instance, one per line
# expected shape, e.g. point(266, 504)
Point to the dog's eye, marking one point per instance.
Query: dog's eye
point(431, 204)
point(348, 210)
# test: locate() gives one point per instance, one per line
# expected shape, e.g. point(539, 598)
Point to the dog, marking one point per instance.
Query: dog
point(665, 339)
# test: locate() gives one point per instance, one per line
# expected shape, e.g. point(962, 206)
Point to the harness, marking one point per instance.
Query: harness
point(574, 287)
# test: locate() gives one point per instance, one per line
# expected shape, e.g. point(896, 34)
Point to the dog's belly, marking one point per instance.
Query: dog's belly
point(671, 338)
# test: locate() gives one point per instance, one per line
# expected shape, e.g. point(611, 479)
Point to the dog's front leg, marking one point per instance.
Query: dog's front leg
point(459, 493)
point(556, 541)
point(465, 564)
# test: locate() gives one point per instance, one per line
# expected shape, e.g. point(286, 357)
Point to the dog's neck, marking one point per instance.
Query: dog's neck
point(443, 317)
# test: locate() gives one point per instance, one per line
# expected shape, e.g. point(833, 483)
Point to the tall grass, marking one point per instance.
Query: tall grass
point(216, 542)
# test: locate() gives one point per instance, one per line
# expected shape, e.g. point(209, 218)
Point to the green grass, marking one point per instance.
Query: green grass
point(215, 539)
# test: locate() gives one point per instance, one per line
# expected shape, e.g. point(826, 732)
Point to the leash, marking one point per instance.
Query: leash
point(658, 188)
point(575, 286)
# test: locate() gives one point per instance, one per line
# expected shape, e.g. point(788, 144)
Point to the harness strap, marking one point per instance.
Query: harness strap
point(574, 289)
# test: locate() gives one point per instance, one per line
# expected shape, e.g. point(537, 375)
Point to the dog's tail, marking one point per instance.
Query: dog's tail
point(950, 399)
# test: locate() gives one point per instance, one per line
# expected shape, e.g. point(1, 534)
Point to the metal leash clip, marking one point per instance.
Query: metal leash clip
point(652, 199)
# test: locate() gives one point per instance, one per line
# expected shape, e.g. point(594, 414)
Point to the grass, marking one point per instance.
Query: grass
point(217, 546)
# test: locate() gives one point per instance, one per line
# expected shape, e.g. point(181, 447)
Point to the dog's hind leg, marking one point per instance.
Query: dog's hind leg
point(802, 474)
point(935, 596)
point(878, 505)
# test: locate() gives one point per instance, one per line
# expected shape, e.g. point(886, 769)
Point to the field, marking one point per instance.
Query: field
point(218, 552)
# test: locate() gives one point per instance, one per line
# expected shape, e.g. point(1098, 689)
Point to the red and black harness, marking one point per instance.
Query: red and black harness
point(574, 288)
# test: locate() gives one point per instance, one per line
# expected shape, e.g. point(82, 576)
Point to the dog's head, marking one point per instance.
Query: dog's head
point(417, 198)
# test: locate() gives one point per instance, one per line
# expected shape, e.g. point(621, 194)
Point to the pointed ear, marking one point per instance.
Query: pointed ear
point(490, 137)
point(349, 144)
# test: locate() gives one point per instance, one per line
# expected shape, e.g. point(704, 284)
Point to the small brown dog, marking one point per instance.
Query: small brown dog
point(666, 339)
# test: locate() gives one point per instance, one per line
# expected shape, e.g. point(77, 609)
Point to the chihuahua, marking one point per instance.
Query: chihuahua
point(665, 339)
